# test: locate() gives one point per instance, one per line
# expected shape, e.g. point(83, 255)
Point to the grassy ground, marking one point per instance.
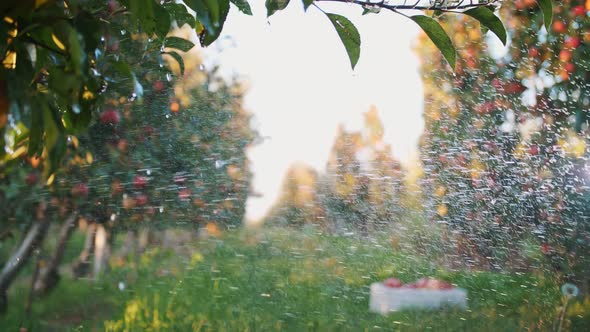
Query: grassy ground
point(286, 280)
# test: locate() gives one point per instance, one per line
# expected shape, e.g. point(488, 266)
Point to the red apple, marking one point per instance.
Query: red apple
point(32, 178)
point(514, 87)
point(422, 283)
point(111, 117)
point(141, 199)
point(572, 42)
point(122, 145)
point(184, 194)
point(533, 52)
point(158, 86)
point(438, 284)
point(485, 108)
point(579, 11)
point(139, 182)
point(565, 55)
point(569, 67)
point(80, 190)
point(392, 283)
point(559, 27)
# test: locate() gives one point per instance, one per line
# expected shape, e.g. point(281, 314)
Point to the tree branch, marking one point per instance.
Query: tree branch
point(444, 5)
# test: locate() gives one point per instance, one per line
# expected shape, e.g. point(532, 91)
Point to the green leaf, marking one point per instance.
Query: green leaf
point(273, 6)
point(179, 14)
point(349, 36)
point(178, 59)
point(75, 51)
point(144, 13)
point(202, 11)
point(209, 38)
point(487, 18)
point(51, 126)
point(307, 3)
point(90, 28)
point(211, 14)
point(163, 21)
point(213, 6)
point(36, 130)
point(178, 43)
point(438, 36)
point(547, 9)
point(243, 6)
point(78, 117)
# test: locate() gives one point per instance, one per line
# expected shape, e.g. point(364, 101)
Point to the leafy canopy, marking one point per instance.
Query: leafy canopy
point(59, 60)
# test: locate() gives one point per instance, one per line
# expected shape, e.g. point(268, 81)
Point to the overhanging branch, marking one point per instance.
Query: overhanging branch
point(443, 5)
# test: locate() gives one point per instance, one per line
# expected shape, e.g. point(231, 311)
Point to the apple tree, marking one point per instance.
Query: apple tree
point(506, 143)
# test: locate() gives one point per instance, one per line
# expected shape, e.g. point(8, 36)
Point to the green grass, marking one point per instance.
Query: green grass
point(287, 280)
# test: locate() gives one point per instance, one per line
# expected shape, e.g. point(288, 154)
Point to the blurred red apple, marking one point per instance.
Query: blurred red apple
point(122, 145)
point(139, 182)
point(572, 42)
point(579, 11)
point(438, 284)
point(422, 283)
point(158, 86)
point(111, 117)
point(80, 190)
point(565, 55)
point(559, 27)
point(141, 199)
point(392, 283)
point(513, 87)
point(32, 178)
point(184, 194)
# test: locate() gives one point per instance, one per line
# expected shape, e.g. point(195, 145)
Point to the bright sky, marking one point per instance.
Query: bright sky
point(302, 87)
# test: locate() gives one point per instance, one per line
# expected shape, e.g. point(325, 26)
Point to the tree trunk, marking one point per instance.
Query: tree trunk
point(49, 274)
point(82, 266)
point(102, 249)
point(32, 240)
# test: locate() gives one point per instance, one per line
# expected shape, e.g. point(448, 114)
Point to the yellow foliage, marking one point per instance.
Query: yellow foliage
point(573, 145)
point(58, 42)
point(89, 158)
point(442, 210)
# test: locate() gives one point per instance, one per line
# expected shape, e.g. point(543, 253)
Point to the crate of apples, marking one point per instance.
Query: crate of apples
point(425, 293)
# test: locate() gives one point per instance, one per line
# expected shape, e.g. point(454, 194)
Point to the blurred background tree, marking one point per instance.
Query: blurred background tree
point(360, 190)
